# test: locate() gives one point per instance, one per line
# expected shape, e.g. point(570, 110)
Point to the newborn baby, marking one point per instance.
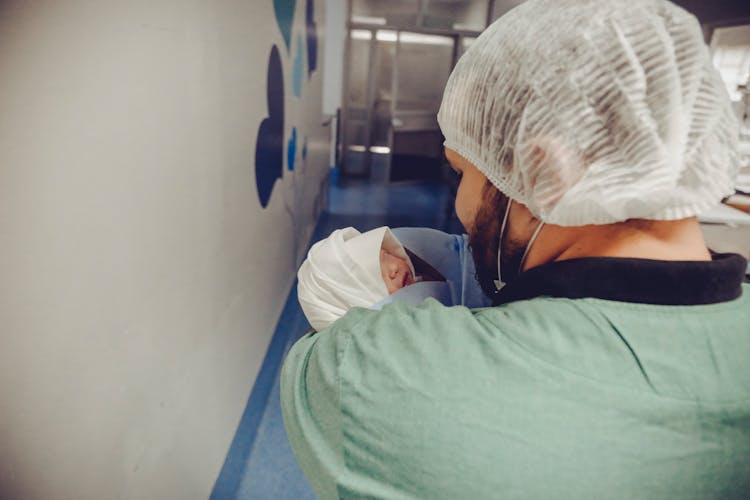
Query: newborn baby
point(350, 269)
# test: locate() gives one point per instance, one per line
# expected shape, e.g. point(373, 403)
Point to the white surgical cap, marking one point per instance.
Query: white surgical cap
point(343, 271)
point(595, 112)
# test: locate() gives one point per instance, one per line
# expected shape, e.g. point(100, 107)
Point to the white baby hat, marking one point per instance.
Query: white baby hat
point(343, 271)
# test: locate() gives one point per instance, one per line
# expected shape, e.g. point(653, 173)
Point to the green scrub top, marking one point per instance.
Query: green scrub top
point(540, 398)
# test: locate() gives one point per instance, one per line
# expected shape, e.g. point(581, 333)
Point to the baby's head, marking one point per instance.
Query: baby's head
point(395, 271)
point(351, 269)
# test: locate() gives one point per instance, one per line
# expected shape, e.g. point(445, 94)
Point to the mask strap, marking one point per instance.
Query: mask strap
point(499, 284)
point(528, 247)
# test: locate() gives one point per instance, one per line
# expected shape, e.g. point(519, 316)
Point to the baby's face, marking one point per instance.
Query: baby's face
point(395, 271)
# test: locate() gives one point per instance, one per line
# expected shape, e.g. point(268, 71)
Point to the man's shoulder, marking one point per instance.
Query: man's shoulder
point(431, 319)
point(430, 340)
point(399, 320)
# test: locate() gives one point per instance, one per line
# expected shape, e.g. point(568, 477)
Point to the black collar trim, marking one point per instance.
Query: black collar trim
point(640, 281)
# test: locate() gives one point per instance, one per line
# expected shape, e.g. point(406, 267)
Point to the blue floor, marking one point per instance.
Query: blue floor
point(260, 464)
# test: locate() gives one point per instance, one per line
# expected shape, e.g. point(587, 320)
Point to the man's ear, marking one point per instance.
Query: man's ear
point(521, 216)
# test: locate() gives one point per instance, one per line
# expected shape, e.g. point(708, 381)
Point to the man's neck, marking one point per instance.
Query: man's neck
point(680, 240)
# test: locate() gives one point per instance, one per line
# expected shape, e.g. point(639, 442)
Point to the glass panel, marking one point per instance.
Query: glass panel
point(731, 55)
point(359, 65)
point(424, 64)
point(470, 15)
point(397, 12)
point(356, 134)
point(731, 51)
point(502, 8)
point(385, 54)
point(466, 42)
point(355, 151)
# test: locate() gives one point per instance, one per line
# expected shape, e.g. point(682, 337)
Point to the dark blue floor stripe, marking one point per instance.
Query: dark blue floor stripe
point(228, 483)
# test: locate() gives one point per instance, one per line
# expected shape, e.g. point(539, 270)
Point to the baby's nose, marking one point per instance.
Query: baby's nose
point(393, 270)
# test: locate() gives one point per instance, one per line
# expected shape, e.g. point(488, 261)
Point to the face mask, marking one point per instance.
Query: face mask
point(499, 283)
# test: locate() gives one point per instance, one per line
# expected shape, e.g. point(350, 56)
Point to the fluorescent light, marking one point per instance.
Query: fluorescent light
point(379, 21)
point(361, 35)
point(381, 150)
point(426, 39)
point(387, 36)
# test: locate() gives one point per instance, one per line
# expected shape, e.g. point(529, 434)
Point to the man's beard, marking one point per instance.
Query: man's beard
point(484, 238)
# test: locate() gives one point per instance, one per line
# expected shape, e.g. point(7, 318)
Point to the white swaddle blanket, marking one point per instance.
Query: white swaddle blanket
point(343, 271)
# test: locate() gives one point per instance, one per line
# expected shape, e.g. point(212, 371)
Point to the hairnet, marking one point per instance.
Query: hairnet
point(595, 111)
point(343, 271)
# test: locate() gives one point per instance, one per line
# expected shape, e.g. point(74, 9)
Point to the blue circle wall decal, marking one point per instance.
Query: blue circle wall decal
point(284, 10)
point(291, 150)
point(269, 148)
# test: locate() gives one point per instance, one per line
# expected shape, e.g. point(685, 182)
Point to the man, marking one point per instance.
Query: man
point(615, 361)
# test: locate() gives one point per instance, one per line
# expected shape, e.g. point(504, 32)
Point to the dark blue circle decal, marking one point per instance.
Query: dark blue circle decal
point(284, 10)
point(269, 149)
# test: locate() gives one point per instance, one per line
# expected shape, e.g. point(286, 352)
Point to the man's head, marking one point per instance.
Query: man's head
point(595, 112)
point(594, 117)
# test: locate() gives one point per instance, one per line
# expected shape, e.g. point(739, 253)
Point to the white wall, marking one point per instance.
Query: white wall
point(141, 279)
point(336, 18)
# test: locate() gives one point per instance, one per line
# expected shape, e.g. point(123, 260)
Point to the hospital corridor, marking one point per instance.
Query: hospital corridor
point(425, 249)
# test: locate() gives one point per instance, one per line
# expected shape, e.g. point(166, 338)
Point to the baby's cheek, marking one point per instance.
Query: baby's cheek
point(393, 286)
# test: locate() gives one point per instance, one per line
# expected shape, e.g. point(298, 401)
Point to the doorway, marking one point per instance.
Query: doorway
point(397, 65)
